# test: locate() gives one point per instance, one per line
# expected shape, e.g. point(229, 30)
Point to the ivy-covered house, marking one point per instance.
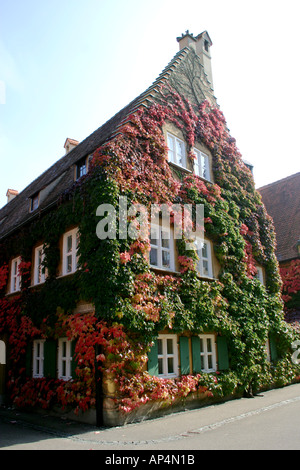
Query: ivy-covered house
point(116, 328)
point(282, 201)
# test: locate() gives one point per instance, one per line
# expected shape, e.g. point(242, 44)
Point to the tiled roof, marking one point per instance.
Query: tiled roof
point(60, 176)
point(282, 201)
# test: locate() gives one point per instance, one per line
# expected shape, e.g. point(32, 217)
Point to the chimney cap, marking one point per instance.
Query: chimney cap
point(71, 141)
point(12, 192)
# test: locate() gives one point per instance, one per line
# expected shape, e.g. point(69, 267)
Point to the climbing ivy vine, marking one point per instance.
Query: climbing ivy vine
point(133, 303)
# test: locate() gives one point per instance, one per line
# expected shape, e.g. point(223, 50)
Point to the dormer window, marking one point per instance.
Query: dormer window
point(206, 45)
point(81, 168)
point(34, 202)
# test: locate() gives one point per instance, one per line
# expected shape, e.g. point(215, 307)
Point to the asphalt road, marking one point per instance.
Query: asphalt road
point(267, 422)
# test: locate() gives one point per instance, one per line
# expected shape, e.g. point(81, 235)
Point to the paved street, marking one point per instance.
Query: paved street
point(268, 422)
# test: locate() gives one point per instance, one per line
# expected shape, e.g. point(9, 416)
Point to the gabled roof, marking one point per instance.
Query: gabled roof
point(60, 176)
point(282, 201)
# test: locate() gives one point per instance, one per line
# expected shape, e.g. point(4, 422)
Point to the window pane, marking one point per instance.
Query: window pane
point(204, 250)
point(205, 268)
point(159, 347)
point(171, 146)
point(169, 346)
point(153, 257)
point(209, 345)
point(154, 236)
point(202, 363)
point(210, 364)
point(69, 264)
point(166, 259)
point(165, 239)
point(160, 366)
point(170, 365)
point(69, 243)
point(64, 349)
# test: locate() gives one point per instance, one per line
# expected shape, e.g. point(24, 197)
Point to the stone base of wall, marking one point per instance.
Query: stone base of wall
point(112, 416)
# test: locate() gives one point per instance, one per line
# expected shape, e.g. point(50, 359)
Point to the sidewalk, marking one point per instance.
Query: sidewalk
point(158, 431)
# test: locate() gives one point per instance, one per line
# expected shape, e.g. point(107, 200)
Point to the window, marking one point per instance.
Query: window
point(162, 248)
point(34, 202)
point(15, 279)
point(81, 168)
point(70, 248)
point(177, 152)
point(38, 358)
point(204, 266)
point(202, 165)
point(64, 359)
point(208, 353)
point(40, 272)
point(167, 356)
point(268, 350)
point(260, 274)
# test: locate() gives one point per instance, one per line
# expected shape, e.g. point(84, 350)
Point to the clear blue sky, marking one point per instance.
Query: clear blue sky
point(68, 66)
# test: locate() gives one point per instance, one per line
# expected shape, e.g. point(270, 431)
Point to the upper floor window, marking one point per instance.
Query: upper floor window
point(40, 272)
point(162, 248)
point(208, 353)
point(15, 278)
point(202, 165)
point(34, 202)
point(177, 150)
point(38, 358)
point(81, 168)
point(260, 274)
point(167, 356)
point(64, 359)
point(70, 248)
point(204, 266)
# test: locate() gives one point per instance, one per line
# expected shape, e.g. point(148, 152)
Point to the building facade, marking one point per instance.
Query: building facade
point(119, 327)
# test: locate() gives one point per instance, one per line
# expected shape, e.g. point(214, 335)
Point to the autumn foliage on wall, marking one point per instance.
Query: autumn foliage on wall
point(132, 303)
point(291, 284)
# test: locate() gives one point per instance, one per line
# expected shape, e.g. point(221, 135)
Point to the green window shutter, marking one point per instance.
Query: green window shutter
point(223, 359)
point(50, 349)
point(74, 362)
point(153, 360)
point(29, 360)
point(196, 352)
point(184, 355)
point(273, 348)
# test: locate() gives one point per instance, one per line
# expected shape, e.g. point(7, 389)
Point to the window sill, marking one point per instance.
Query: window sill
point(179, 167)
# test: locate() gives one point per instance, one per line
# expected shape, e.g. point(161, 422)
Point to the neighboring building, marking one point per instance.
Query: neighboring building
point(282, 200)
point(117, 327)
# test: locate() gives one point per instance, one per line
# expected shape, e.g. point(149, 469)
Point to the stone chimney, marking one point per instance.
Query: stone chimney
point(70, 144)
point(11, 194)
point(201, 44)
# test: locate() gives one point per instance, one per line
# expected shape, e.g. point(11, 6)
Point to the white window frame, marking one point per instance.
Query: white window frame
point(208, 355)
point(162, 248)
point(40, 273)
point(204, 259)
point(164, 356)
point(202, 165)
point(70, 253)
point(15, 278)
point(64, 359)
point(173, 154)
point(38, 358)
